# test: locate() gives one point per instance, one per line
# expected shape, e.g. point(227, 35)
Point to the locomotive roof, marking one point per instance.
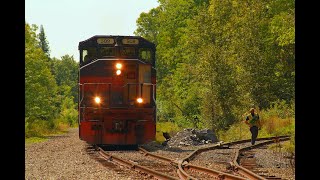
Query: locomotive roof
point(92, 41)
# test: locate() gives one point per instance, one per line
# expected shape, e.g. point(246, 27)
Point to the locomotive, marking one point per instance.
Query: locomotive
point(117, 90)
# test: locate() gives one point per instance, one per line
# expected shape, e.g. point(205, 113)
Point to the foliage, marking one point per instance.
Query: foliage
point(50, 87)
point(66, 75)
point(32, 140)
point(216, 59)
point(40, 85)
point(147, 25)
point(38, 128)
point(168, 127)
point(69, 114)
point(276, 121)
point(43, 43)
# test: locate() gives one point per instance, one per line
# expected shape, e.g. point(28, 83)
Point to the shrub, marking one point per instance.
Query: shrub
point(69, 114)
point(168, 127)
point(38, 128)
point(277, 120)
point(237, 131)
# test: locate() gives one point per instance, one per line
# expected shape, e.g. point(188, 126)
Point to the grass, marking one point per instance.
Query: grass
point(287, 146)
point(43, 137)
point(237, 131)
point(32, 140)
point(275, 122)
point(168, 127)
point(39, 131)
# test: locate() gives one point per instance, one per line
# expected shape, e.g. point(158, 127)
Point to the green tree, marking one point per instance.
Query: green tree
point(66, 74)
point(147, 25)
point(40, 85)
point(69, 112)
point(43, 43)
point(216, 58)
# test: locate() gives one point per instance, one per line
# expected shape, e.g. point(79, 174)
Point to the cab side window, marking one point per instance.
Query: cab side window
point(89, 54)
point(84, 55)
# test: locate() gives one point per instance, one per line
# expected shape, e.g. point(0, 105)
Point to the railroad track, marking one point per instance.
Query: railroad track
point(185, 164)
point(144, 168)
point(180, 169)
point(248, 163)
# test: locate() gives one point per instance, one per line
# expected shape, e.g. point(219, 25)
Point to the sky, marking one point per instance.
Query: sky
point(67, 22)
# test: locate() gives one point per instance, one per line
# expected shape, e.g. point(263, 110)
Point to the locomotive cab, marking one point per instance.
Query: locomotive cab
point(117, 90)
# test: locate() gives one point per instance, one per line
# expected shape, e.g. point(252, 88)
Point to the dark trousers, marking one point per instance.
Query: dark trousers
point(254, 134)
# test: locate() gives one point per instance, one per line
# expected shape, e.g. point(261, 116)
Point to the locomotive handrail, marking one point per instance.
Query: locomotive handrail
point(96, 83)
point(127, 84)
point(112, 60)
point(148, 84)
point(89, 83)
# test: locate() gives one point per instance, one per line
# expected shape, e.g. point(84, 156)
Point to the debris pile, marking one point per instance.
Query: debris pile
point(192, 137)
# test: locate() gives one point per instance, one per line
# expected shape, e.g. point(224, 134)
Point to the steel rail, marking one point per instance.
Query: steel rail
point(165, 159)
point(246, 172)
point(217, 174)
point(184, 162)
point(137, 167)
point(221, 145)
point(183, 175)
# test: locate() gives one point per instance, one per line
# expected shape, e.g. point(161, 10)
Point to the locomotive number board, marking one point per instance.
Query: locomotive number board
point(105, 41)
point(130, 41)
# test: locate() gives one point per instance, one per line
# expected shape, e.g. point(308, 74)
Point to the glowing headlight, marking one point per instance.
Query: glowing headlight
point(118, 66)
point(118, 72)
point(140, 100)
point(97, 100)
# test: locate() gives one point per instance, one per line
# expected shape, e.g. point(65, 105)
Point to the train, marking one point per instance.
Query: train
point(117, 90)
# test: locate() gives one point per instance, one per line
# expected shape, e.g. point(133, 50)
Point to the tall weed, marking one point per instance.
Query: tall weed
point(168, 127)
point(277, 120)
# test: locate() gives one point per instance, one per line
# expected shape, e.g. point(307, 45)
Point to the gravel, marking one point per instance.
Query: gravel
point(274, 161)
point(67, 157)
point(138, 158)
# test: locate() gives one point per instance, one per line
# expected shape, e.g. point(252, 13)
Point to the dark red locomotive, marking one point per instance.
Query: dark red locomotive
point(117, 90)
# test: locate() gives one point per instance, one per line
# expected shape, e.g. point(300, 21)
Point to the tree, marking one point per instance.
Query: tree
point(40, 85)
point(43, 43)
point(66, 74)
point(51, 89)
point(147, 25)
point(216, 58)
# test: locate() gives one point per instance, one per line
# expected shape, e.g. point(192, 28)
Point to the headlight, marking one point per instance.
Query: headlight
point(118, 65)
point(140, 100)
point(97, 100)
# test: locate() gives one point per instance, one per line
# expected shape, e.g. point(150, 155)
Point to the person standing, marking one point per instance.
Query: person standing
point(253, 121)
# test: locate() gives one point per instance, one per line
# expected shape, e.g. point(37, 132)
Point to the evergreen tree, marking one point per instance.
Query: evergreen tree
point(44, 44)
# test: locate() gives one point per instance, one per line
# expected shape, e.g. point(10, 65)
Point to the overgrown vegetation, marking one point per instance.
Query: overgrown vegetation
point(216, 59)
point(50, 88)
point(168, 127)
point(276, 121)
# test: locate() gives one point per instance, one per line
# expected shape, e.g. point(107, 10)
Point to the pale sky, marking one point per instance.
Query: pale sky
point(67, 22)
